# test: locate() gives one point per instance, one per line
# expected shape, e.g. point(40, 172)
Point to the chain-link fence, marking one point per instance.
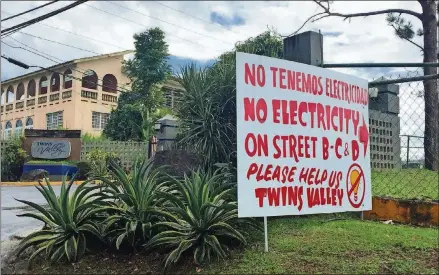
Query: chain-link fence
point(403, 151)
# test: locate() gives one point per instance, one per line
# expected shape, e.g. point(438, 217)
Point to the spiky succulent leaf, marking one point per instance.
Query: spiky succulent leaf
point(67, 217)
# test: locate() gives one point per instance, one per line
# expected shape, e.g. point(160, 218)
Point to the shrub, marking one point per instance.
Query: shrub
point(206, 218)
point(136, 206)
point(97, 155)
point(84, 169)
point(13, 159)
point(207, 108)
point(99, 162)
point(88, 137)
point(67, 219)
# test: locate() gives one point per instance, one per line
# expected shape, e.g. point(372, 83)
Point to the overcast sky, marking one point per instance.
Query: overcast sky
point(209, 28)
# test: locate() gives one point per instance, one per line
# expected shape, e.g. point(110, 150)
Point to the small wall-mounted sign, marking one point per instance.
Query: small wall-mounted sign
point(51, 149)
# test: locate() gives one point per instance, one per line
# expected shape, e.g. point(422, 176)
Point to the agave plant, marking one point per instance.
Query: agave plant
point(67, 219)
point(205, 219)
point(136, 203)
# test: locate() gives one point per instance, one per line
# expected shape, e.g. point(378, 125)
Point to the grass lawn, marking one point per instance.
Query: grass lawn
point(296, 246)
point(406, 183)
point(313, 245)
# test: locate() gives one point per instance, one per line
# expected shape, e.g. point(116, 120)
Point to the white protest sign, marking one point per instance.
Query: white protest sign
point(302, 137)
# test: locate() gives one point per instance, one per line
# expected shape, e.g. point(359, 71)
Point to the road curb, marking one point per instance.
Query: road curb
point(35, 183)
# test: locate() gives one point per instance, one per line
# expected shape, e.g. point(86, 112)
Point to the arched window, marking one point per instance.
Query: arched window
point(29, 123)
point(10, 94)
point(67, 79)
point(43, 86)
point(8, 130)
point(90, 80)
point(20, 91)
point(109, 83)
point(55, 83)
point(18, 128)
point(31, 88)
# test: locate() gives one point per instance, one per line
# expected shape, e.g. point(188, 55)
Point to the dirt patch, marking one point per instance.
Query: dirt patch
point(99, 263)
point(408, 261)
point(178, 162)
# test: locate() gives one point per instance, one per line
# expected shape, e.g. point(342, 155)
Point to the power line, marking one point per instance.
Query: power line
point(74, 33)
point(94, 39)
point(175, 25)
point(56, 62)
point(25, 66)
point(15, 47)
point(36, 8)
point(140, 24)
point(40, 18)
point(59, 43)
point(190, 15)
point(78, 69)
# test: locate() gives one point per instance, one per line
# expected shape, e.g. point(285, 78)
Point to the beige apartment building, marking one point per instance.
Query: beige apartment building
point(77, 95)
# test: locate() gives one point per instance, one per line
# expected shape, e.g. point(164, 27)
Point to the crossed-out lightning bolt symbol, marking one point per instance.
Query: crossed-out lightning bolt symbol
point(363, 136)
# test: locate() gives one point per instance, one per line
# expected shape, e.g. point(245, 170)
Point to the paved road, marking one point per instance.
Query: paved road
point(10, 223)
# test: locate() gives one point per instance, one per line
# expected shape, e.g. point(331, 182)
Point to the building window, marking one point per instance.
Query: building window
point(8, 130)
point(18, 128)
point(55, 83)
point(99, 120)
point(9, 94)
point(54, 121)
point(31, 88)
point(29, 123)
point(44, 83)
point(20, 92)
point(90, 80)
point(68, 79)
point(109, 83)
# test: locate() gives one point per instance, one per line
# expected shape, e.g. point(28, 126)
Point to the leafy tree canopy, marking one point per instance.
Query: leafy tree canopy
point(134, 116)
point(125, 124)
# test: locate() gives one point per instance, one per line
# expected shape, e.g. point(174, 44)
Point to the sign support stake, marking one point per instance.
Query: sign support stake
point(266, 233)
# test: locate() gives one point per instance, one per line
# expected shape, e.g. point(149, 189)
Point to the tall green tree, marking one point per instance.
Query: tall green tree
point(146, 70)
point(207, 111)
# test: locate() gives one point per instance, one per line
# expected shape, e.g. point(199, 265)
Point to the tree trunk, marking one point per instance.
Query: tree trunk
point(431, 95)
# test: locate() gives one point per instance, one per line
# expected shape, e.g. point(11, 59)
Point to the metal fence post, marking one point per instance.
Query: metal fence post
point(408, 150)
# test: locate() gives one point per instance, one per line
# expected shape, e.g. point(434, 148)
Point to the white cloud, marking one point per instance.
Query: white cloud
point(361, 40)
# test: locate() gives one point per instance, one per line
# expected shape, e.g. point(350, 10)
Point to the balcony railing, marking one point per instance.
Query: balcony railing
point(54, 97)
point(30, 102)
point(89, 94)
point(19, 105)
point(42, 99)
point(66, 94)
point(109, 98)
